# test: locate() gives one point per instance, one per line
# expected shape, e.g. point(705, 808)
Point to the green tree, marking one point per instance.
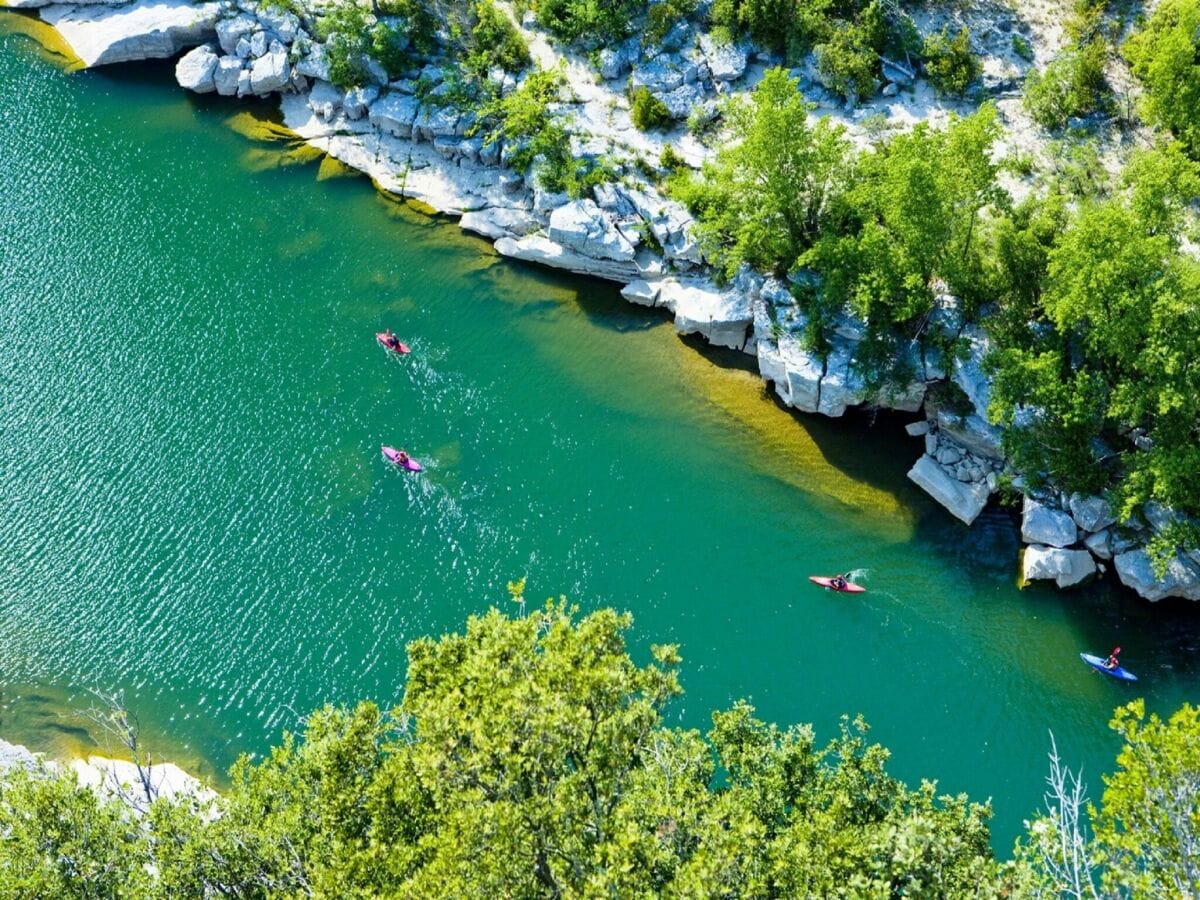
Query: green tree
point(1165, 55)
point(762, 200)
point(59, 840)
point(949, 62)
point(647, 111)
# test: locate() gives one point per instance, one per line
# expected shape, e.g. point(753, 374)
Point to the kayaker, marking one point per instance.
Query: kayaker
point(390, 339)
point(402, 457)
point(839, 582)
point(1111, 662)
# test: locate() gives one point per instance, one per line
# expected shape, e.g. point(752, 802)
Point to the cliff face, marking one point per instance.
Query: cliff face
point(414, 141)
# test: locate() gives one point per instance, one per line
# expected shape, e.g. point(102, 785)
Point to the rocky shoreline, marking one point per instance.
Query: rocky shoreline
point(627, 233)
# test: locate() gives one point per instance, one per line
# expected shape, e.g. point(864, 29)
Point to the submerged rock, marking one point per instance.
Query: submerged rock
point(964, 501)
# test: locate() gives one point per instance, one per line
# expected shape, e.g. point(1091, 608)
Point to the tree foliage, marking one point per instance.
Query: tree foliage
point(949, 62)
point(528, 758)
point(762, 200)
point(1165, 55)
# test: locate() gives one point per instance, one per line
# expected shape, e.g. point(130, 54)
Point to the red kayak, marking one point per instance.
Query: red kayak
point(392, 455)
point(395, 344)
point(848, 588)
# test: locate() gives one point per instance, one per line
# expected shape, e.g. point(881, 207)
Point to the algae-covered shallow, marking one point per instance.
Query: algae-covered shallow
point(193, 507)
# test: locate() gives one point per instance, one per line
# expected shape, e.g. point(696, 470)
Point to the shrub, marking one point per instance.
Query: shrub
point(949, 62)
point(662, 17)
point(1072, 85)
point(647, 111)
point(1022, 48)
point(343, 28)
point(1165, 55)
point(389, 45)
point(670, 159)
point(849, 64)
point(587, 21)
point(496, 41)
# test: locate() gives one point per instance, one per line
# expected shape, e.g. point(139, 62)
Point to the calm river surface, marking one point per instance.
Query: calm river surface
point(193, 508)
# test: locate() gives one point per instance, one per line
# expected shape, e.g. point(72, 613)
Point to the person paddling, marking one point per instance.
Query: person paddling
point(1111, 662)
point(390, 339)
point(402, 457)
point(839, 582)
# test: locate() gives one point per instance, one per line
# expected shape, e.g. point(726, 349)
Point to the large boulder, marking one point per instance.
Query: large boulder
point(325, 99)
point(314, 64)
point(195, 69)
point(1091, 513)
point(724, 318)
point(680, 101)
point(16, 756)
point(227, 75)
point(1041, 524)
point(146, 29)
point(964, 501)
point(660, 75)
point(395, 113)
point(1066, 568)
point(642, 292)
point(270, 72)
point(726, 60)
point(583, 227)
point(1182, 578)
point(230, 31)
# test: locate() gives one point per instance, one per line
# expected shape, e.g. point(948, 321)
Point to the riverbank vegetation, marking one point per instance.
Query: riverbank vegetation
point(1087, 289)
point(530, 757)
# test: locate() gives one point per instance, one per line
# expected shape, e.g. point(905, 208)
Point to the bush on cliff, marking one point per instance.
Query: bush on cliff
point(949, 62)
point(762, 199)
point(590, 22)
point(495, 41)
point(647, 111)
point(1165, 55)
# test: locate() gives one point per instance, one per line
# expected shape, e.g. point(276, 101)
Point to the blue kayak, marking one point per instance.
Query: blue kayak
point(1097, 663)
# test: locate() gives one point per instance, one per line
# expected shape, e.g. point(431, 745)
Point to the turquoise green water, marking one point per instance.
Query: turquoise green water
point(193, 508)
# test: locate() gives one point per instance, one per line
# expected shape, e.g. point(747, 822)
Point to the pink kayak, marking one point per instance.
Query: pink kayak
point(397, 347)
point(392, 455)
point(848, 588)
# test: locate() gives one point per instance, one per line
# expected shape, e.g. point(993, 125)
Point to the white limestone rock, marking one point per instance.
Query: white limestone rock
point(1041, 524)
point(680, 101)
point(1182, 578)
point(541, 250)
point(841, 387)
point(230, 31)
point(1067, 568)
point(724, 318)
point(917, 429)
point(726, 61)
point(1091, 513)
point(1100, 544)
point(498, 222)
point(660, 75)
point(358, 101)
point(641, 292)
point(395, 113)
point(195, 69)
point(270, 72)
point(13, 756)
point(973, 432)
point(324, 99)
point(964, 501)
point(583, 227)
point(314, 64)
point(145, 29)
point(796, 373)
point(226, 75)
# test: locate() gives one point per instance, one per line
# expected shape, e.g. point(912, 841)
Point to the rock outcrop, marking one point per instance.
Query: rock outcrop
point(146, 29)
point(963, 500)
point(1066, 568)
point(1041, 524)
point(1136, 571)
